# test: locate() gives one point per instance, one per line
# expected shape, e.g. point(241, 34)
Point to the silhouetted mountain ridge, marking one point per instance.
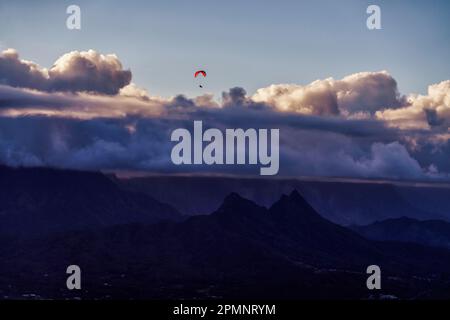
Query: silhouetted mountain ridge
point(235, 203)
point(342, 202)
point(37, 201)
point(241, 250)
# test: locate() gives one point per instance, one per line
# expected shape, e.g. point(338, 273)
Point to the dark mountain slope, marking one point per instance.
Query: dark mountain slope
point(242, 250)
point(38, 201)
point(429, 232)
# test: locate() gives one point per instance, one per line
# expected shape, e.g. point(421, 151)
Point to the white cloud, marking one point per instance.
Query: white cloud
point(75, 72)
point(359, 92)
point(422, 111)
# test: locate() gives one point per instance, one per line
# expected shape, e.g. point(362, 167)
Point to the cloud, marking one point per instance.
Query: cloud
point(368, 92)
point(236, 97)
point(85, 71)
point(422, 111)
point(21, 73)
point(330, 154)
point(26, 102)
point(88, 71)
point(132, 90)
point(85, 113)
point(108, 144)
point(360, 92)
point(389, 160)
point(317, 98)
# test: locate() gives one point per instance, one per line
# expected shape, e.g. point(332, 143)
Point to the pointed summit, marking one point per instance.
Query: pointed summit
point(296, 198)
point(294, 205)
point(233, 197)
point(234, 203)
point(234, 200)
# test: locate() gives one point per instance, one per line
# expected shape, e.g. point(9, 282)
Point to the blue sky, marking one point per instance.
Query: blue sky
point(240, 43)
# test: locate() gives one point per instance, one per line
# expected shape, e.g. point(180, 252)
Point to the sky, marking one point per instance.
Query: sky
point(348, 101)
point(240, 43)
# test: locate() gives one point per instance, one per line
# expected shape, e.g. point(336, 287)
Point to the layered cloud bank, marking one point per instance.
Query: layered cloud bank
point(84, 112)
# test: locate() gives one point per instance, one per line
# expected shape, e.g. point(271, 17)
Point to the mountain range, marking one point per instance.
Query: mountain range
point(144, 249)
point(343, 202)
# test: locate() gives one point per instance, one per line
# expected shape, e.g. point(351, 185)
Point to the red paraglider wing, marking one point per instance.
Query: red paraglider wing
point(200, 72)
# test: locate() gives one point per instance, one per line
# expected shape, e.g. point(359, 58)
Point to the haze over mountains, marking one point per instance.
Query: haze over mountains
point(434, 233)
point(144, 249)
point(345, 203)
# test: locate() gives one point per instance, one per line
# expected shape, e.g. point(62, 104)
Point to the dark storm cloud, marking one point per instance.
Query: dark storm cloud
point(135, 143)
point(310, 145)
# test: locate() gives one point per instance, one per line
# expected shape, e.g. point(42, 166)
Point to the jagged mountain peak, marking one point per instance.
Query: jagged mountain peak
point(293, 204)
point(234, 203)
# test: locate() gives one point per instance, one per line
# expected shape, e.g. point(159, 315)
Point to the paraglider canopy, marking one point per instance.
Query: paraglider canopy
point(202, 72)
